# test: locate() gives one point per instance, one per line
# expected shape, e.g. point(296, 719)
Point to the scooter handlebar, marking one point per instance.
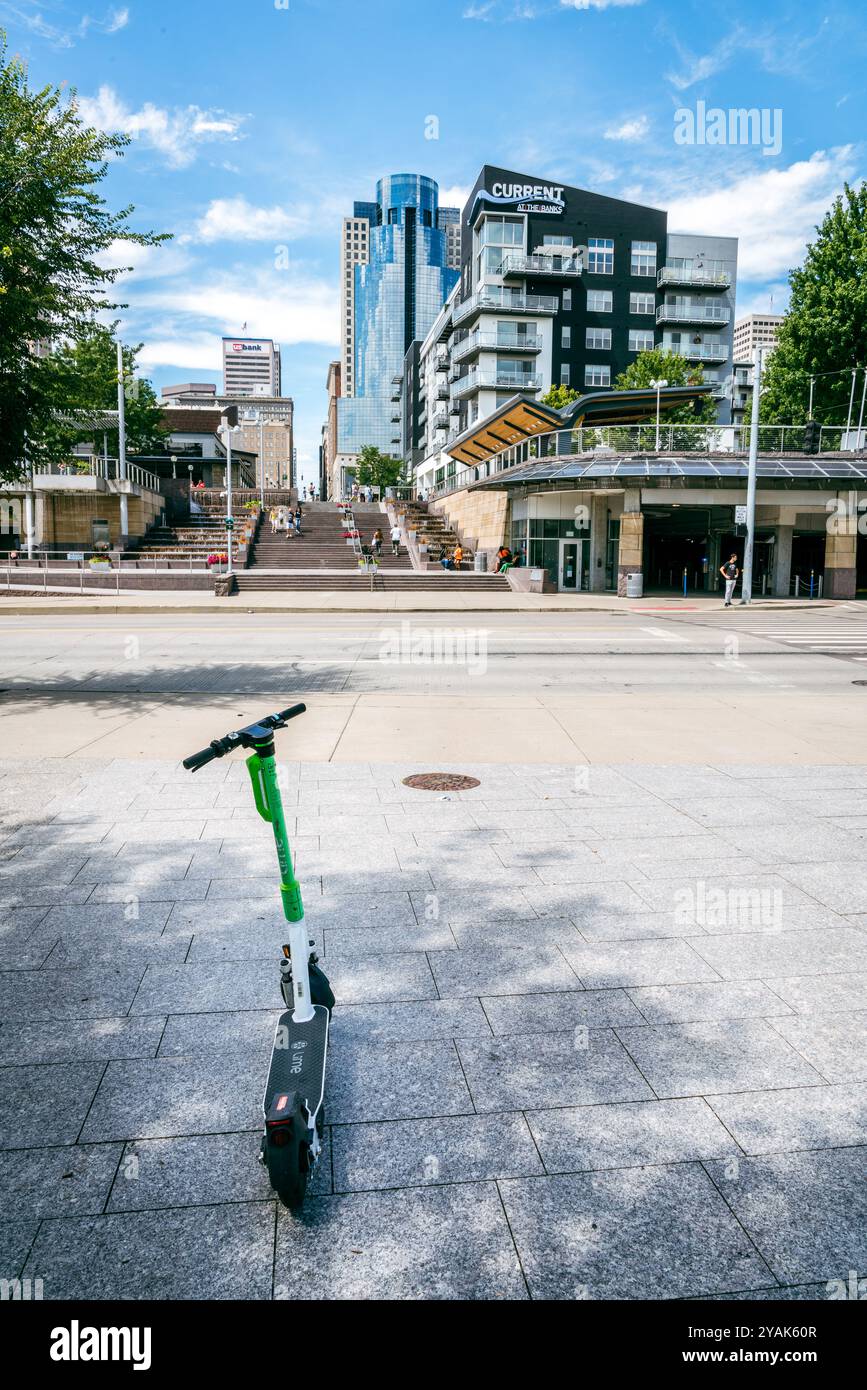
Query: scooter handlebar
point(220, 746)
point(197, 760)
point(291, 713)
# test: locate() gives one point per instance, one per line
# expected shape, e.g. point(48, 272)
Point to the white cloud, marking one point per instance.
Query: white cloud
point(635, 129)
point(290, 309)
point(28, 14)
point(455, 196)
point(175, 134)
point(190, 352)
point(479, 11)
point(598, 4)
point(144, 262)
point(235, 219)
point(774, 212)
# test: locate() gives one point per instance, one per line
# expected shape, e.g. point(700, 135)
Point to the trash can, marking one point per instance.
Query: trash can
point(480, 562)
point(634, 585)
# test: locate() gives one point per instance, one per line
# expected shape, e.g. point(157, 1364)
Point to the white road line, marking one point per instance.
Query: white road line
point(664, 636)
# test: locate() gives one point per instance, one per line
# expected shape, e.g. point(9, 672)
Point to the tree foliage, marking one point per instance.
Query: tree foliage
point(825, 328)
point(82, 381)
point(559, 396)
point(375, 469)
point(54, 229)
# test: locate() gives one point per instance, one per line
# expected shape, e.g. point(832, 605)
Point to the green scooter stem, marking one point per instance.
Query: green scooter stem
point(266, 793)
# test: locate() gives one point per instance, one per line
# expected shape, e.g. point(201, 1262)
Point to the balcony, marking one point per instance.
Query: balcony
point(699, 352)
point(495, 381)
point(440, 421)
point(693, 313)
point(493, 342)
point(443, 391)
point(502, 301)
point(708, 275)
point(557, 267)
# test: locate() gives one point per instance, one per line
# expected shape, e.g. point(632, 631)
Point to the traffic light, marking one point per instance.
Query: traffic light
point(230, 415)
point(812, 437)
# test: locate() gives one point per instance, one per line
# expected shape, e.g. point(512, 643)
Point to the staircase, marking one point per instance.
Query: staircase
point(433, 530)
point(322, 559)
point(321, 545)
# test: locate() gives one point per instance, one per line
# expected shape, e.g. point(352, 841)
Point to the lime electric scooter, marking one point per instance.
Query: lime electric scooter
point(292, 1105)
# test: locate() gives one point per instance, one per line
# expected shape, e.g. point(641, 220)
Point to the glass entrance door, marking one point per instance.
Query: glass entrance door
point(570, 567)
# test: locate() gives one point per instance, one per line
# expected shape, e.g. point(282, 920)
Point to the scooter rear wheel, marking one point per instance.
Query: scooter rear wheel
point(288, 1157)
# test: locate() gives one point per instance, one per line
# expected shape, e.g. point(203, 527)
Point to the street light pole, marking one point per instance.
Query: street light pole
point(658, 385)
point(121, 446)
point(747, 578)
point(861, 411)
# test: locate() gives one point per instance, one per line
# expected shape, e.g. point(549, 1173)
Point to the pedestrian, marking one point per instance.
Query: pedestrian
point(376, 542)
point(458, 556)
point(395, 539)
point(730, 572)
point(297, 520)
point(272, 518)
point(369, 494)
point(445, 560)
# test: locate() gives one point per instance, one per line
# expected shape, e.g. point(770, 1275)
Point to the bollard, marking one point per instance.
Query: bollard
point(812, 573)
point(797, 585)
point(684, 582)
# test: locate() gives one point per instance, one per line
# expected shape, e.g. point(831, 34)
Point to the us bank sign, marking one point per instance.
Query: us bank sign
point(527, 197)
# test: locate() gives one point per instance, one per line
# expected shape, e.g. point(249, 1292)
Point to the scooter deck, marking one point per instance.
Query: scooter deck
point(298, 1059)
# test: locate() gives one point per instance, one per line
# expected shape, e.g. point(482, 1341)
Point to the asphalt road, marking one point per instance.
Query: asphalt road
point(431, 654)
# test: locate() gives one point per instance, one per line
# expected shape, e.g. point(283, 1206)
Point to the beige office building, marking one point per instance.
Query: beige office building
point(752, 331)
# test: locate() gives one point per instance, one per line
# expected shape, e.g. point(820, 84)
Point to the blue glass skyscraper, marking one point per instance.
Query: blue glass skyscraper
point(397, 295)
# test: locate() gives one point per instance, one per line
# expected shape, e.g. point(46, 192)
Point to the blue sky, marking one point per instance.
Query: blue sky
point(257, 122)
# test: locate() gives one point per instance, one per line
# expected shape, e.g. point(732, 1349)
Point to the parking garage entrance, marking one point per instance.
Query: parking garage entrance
point(690, 543)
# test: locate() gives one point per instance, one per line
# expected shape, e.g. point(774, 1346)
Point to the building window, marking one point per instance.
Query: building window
point(564, 374)
point(567, 299)
point(600, 255)
point(550, 240)
point(600, 301)
point(640, 339)
point(643, 259)
point(642, 303)
point(599, 339)
point(566, 337)
point(597, 376)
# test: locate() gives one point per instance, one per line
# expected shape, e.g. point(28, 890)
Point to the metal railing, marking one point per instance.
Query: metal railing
point(96, 467)
point(494, 342)
point(729, 444)
point(710, 273)
point(692, 313)
point(480, 381)
point(699, 352)
point(541, 265)
point(503, 301)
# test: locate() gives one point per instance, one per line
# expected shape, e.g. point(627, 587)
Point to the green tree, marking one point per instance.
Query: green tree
point(558, 397)
point(82, 381)
point(659, 365)
point(54, 229)
point(825, 328)
point(376, 469)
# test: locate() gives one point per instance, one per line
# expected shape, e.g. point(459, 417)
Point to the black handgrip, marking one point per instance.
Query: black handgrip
point(192, 764)
point(291, 713)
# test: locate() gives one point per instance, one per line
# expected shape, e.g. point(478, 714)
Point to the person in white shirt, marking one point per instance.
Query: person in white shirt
point(395, 539)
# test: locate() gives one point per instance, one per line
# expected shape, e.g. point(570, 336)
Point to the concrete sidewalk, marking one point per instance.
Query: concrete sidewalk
point(336, 601)
point(598, 1035)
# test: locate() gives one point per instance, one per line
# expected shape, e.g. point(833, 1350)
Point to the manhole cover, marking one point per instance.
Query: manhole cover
point(441, 782)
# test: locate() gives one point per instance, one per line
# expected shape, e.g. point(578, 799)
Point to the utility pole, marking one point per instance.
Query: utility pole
point(29, 503)
point(262, 458)
point(230, 417)
point(747, 577)
point(810, 408)
point(121, 447)
point(861, 411)
point(851, 402)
